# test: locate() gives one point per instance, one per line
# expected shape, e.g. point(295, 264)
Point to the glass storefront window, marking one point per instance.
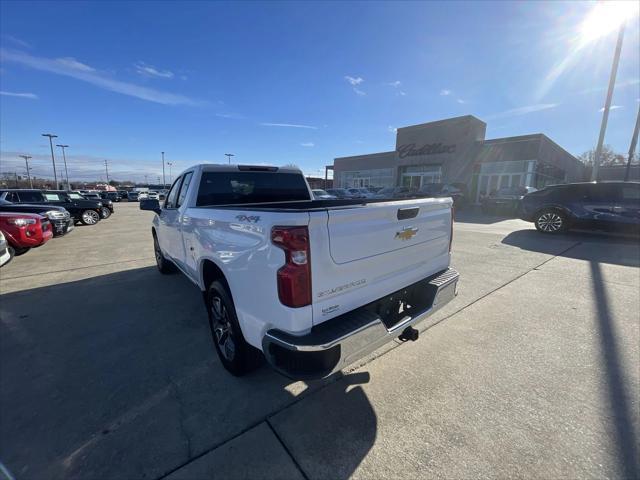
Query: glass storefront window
point(380, 177)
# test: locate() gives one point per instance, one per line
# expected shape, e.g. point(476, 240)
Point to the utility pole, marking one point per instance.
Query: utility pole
point(169, 163)
point(16, 175)
point(632, 147)
point(106, 169)
point(164, 183)
point(26, 160)
point(229, 155)
point(53, 158)
point(64, 157)
point(607, 104)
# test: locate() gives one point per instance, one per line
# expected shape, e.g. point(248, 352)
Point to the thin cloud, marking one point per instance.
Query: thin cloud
point(515, 112)
point(307, 144)
point(444, 92)
point(392, 129)
point(16, 41)
point(395, 84)
point(359, 92)
point(235, 116)
point(287, 125)
point(70, 67)
point(354, 80)
point(31, 96)
point(72, 63)
point(401, 93)
point(151, 71)
point(460, 101)
point(612, 107)
point(620, 84)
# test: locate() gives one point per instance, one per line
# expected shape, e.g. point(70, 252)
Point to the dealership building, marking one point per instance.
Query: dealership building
point(455, 151)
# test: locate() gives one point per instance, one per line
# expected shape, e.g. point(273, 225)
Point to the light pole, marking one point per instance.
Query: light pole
point(53, 158)
point(229, 155)
point(607, 105)
point(106, 169)
point(632, 147)
point(164, 183)
point(64, 157)
point(26, 160)
point(169, 163)
point(145, 180)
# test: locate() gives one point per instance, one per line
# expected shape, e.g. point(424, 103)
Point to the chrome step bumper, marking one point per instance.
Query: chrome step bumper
point(341, 341)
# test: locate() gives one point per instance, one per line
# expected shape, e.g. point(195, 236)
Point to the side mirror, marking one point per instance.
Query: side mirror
point(151, 205)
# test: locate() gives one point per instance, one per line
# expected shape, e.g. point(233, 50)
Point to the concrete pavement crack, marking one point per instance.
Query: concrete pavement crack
point(181, 409)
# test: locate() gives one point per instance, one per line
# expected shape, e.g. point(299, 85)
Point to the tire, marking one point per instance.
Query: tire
point(105, 213)
point(165, 266)
point(17, 251)
point(236, 355)
point(551, 221)
point(89, 217)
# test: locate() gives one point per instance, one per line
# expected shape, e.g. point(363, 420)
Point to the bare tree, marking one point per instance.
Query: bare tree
point(607, 158)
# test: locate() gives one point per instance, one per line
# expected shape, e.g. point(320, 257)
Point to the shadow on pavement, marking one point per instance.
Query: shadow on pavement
point(589, 246)
point(473, 215)
point(620, 396)
point(116, 377)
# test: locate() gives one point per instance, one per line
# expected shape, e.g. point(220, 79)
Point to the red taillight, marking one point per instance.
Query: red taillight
point(294, 278)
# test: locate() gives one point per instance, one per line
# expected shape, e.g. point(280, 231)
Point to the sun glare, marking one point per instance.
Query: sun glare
point(605, 17)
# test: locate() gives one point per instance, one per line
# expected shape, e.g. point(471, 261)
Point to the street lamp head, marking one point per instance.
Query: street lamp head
point(63, 146)
point(50, 135)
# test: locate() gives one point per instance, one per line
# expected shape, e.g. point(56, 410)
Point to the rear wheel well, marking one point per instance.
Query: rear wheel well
point(210, 273)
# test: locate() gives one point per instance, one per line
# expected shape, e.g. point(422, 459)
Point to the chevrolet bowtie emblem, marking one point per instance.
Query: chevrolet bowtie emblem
point(406, 233)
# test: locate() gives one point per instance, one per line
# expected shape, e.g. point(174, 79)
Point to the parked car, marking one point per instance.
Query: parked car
point(122, 194)
point(107, 205)
point(313, 289)
point(132, 196)
point(396, 192)
point(113, 196)
point(360, 193)
point(24, 231)
point(82, 210)
point(441, 190)
point(319, 194)
point(505, 200)
point(599, 206)
point(5, 254)
point(153, 196)
point(339, 193)
point(143, 196)
point(61, 221)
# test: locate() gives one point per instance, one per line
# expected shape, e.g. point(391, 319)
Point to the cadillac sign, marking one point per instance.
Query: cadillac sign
point(410, 149)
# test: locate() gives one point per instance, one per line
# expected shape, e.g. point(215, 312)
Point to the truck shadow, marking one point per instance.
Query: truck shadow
point(122, 366)
point(598, 247)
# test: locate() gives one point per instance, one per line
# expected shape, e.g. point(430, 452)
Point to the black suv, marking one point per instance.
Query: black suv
point(599, 206)
point(60, 219)
point(86, 211)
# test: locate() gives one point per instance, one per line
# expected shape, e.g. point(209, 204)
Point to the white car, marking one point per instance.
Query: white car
point(312, 288)
point(153, 196)
point(5, 254)
point(143, 195)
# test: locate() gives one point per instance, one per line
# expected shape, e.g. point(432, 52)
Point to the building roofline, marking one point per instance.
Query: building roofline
point(446, 120)
point(366, 154)
point(523, 138)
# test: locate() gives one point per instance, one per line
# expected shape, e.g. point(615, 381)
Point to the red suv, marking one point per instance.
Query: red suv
point(24, 231)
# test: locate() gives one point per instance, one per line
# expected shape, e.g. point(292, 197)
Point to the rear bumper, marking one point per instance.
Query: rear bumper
point(343, 340)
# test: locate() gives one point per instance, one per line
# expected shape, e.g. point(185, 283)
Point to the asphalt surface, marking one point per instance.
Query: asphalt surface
point(107, 370)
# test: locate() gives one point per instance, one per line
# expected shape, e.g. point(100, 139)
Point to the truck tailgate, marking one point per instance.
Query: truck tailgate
point(374, 250)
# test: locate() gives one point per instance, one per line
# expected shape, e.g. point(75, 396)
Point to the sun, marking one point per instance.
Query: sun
point(605, 17)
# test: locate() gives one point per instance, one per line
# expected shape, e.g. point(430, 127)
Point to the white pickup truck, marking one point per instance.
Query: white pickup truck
point(314, 285)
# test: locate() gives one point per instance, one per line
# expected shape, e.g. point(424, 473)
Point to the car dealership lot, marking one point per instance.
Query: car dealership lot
point(108, 371)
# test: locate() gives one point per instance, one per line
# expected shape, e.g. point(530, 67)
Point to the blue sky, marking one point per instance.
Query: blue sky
point(297, 83)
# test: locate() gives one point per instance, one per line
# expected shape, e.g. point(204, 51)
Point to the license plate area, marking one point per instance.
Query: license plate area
point(405, 303)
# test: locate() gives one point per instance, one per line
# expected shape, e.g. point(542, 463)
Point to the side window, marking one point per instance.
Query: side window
point(170, 202)
point(603, 193)
point(184, 189)
point(26, 197)
point(12, 197)
point(631, 193)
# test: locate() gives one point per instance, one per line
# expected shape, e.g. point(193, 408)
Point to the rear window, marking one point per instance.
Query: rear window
point(225, 188)
point(54, 197)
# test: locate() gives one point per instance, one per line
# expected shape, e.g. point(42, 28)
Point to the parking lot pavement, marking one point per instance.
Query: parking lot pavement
point(107, 370)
